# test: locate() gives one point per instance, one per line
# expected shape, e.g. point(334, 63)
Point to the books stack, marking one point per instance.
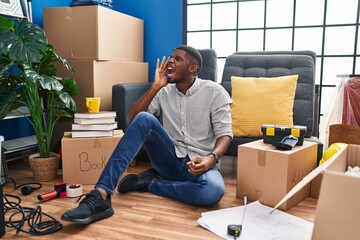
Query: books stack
point(99, 124)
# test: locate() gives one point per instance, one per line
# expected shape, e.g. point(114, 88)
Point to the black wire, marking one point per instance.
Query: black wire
point(18, 216)
point(30, 183)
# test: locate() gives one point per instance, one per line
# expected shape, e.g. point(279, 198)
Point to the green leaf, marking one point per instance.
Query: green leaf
point(51, 83)
point(5, 64)
point(33, 76)
point(54, 56)
point(6, 23)
point(69, 103)
point(7, 100)
point(70, 86)
point(27, 43)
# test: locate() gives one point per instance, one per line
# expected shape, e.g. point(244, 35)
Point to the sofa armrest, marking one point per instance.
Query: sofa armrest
point(123, 96)
point(315, 131)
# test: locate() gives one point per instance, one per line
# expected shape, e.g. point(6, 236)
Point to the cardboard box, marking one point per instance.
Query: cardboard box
point(96, 79)
point(267, 174)
point(94, 33)
point(337, 213)
point(274, 133)
point(315, 185)
point(83, 159)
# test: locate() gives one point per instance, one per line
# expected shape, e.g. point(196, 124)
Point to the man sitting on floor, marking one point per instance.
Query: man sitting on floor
point(184, 149)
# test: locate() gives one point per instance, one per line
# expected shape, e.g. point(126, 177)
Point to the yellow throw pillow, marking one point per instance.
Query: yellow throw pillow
point(258, 101)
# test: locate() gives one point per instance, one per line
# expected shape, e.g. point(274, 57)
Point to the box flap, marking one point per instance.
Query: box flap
point(338, 207)
point(308, 178)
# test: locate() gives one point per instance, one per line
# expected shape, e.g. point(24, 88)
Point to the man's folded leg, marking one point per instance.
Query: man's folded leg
point(137, 182)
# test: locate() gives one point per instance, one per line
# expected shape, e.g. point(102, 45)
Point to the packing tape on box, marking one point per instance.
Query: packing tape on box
point(74, 190)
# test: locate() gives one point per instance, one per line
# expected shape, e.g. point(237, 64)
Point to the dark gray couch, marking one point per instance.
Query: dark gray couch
point(248, 64)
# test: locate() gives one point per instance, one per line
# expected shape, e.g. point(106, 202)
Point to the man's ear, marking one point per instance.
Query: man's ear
point(193, 68)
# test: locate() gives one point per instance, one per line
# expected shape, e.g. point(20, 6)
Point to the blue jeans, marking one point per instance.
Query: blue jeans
point(147, 132)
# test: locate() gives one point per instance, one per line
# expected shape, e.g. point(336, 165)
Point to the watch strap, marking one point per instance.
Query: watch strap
point(216, 156)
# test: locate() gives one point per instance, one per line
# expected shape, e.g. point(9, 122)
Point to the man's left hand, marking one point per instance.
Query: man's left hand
point(200, 165)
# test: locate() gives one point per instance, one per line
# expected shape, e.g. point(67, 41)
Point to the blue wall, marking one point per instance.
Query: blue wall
point(163, 26)
point(163, 31)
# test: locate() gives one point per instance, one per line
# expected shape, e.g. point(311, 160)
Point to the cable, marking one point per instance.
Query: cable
point(19, 215)
point(26, 189)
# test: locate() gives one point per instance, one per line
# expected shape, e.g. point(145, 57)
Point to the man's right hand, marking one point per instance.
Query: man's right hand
point(160, 78)
point(160, 81)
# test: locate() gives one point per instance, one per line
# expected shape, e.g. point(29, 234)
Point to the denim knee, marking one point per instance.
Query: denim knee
point(144, 120)
point(219, 192)
point(211, 195)
point(145, 115)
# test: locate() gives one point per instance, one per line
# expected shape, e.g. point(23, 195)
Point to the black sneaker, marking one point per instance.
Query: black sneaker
point(137, 182)
point(92, 208)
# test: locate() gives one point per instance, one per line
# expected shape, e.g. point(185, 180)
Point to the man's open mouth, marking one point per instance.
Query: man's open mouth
point(170, 71)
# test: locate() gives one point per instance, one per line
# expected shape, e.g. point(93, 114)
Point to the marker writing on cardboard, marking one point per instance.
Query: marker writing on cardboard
point(86, 165)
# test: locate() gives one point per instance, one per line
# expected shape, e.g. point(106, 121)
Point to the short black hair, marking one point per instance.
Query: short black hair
point(193, 53)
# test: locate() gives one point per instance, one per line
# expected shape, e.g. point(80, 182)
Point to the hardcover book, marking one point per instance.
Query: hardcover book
point(101, 114)
point(85, 134)
point(94, 127)
point(94, 120)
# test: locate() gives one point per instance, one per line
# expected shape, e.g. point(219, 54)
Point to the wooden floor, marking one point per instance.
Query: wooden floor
point(137, 215)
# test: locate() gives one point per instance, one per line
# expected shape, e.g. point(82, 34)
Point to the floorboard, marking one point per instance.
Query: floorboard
point(137, 215)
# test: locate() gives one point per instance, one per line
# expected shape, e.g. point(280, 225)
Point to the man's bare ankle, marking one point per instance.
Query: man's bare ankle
point(103, 193)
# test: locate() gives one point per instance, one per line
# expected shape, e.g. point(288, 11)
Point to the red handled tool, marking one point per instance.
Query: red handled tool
point(60, 192)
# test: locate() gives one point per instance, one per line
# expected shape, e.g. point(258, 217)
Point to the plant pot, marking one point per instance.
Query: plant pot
point(44, 169)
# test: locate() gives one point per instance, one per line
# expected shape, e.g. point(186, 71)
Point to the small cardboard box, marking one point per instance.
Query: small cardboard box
point(96, 79)
point(94, 33)
point(83, 159)
point(338, 209)
point(275, 133)
point(267, 174)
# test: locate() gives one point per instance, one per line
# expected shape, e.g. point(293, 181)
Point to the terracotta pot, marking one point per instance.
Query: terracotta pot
point(44, 169)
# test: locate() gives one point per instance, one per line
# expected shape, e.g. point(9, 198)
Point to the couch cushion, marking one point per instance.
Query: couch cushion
point(258, 101)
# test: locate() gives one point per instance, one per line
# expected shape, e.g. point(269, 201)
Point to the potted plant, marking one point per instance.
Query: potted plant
point(28, 78)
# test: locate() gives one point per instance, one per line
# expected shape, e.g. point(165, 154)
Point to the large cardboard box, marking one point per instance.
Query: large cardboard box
point(83, 159)
point(94, 32)
point(96, 79)
point(267, 174)
point(338, 209)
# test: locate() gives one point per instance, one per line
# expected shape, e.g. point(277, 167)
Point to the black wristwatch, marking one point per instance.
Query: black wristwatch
point(216, 156)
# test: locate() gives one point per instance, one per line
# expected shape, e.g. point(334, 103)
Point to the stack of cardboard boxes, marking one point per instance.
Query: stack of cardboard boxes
point(105, 47)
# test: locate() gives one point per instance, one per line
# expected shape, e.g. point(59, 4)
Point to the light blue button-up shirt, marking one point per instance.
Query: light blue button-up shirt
point(196, 119)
